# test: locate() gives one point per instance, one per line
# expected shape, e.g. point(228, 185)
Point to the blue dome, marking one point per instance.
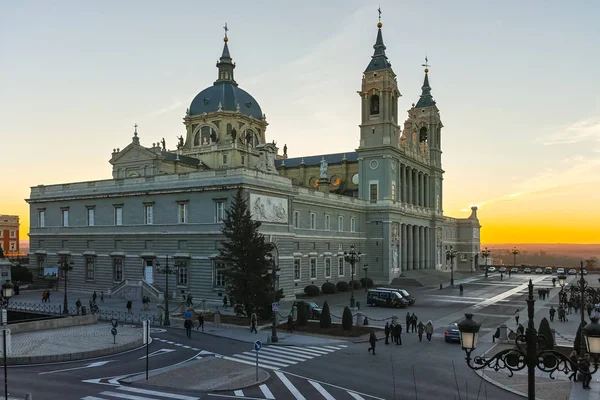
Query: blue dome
point(229, 96)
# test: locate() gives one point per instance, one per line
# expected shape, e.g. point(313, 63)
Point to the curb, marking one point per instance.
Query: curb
point(83, 355)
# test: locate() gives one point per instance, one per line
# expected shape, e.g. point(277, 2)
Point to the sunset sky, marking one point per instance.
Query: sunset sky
point(516, 83)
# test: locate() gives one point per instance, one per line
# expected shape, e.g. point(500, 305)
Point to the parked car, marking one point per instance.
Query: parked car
point(314, 310)
point(560, 271)
point(527, 271)
point(492, 269)
point(539, 271)
point(452, 334)
point(514, 270)
point(548, 270)
point(572, 271)
point(585, 271)
point(502, 270)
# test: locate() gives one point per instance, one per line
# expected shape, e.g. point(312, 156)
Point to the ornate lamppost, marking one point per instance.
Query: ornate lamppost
point(366, 268)
point(485, 254)
point(167, 271)
point(7, 292)
point(352, 257)
point(514, 252)
point(274, 271)
point(451, 255)
point(531, 351)
point(65, 265)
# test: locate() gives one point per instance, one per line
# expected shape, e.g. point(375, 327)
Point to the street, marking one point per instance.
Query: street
point(411, 371)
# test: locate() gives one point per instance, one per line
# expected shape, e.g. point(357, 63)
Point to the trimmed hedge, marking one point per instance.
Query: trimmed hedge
point(356, 284)
point(342, 286)
point(545, 331)
point(366, 282)
point(312, 290)
point(325, 319)
point(347, 319)
point(328, 288)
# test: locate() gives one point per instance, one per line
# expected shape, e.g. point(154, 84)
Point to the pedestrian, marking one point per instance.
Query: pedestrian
point(290, 323)
point(584, 367)
point(496, 335)
point(574, 362)
point(517, 316)
point(408, 321)
point(189, 299)
point(387, 332)
point(429, 330)
point(224, 301)
point(420, 330)
point(398, 334)
point(94, 296)
point(554, 282)
point(201, 321)
point(372, 341)
point(501, 276)
point(460, 287)
point(414, 321)
point(589, 308)
point(561, 314)
point(576, 306)
point(253, 322)
point(44, 296)
point(188, 328)
point(129, 306)
point(521, 329)
point(552, 312)
point(78, 305)
point(48, 296)
point(569, 306)
point(101, 297)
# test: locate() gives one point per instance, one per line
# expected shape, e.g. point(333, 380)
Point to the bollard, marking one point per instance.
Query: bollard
point(28, 396)
point(441, 286)
point(359, 319)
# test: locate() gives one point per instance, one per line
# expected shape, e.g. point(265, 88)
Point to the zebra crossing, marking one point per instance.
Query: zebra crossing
point(277, 357)
point(134, 393)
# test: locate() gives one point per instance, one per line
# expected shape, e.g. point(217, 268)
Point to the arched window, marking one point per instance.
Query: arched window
point(251, 138)
point(423, 134)
point(374, 104)
point(229, 128)
point(205, 136)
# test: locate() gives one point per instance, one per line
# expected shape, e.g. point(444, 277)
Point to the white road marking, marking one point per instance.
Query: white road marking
point(253, 359)
point(334, 347)
point(321, 349)
point(157, 393)
point(321, 390)
point(124, 396)
point(239, 393)
point(282, 356)
point(92, 365)
point(92, 398)
point(504, 295)
point(268, 358)
point(266, 392)
point(158, 353)
point(309, 351)
point(292, 352)
point(249, 363)
point(289, 385)
point(356, 396)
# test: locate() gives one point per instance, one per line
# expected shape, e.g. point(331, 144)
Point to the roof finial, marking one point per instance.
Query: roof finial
point(379, 24)
point(426, 65)
point(135, 131)
point(226, 30)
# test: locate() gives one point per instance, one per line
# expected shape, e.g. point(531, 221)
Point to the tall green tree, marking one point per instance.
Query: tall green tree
point(244, 253)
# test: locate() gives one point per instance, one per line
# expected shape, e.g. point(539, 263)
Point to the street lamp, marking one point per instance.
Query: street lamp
point(514, 252)
point(167, 271)
point(65, 266)
point(352, 257)
point(485, 254)
point(7, 292)
point(531, 350)
point(274, 271)
point(366, 268)
point(451, 255)
point(561, 281)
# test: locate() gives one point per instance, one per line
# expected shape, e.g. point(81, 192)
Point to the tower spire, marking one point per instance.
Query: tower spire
point(379, 59)
point(426, 99)
point(225, 63)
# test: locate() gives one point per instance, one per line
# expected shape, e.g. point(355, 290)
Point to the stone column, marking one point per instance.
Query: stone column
point(410, 185)
point(410, 252)
point(422, 247)
point(427, 193)
point(415, 247)
point(403, 250)
point(421, 189)
point(427, 247)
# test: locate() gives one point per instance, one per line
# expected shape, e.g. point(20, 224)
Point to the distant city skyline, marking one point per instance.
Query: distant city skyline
point(514, 83)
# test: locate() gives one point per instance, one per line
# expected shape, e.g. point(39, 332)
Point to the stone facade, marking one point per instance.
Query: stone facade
point(9, 234)
point(385, 198)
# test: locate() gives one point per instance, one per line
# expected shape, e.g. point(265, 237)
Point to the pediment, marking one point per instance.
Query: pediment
point(133, 153)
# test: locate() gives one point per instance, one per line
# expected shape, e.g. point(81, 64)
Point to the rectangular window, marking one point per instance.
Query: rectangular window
point(117, 269)
point(243, 159)
point(340, 266)
point(297, 263)
point(182, 215)
point(90, 264)
point(13, 234)
point(41, 264)
point(149, 214)
point(42, 218)
point(394, 191)
point(219, 275)
point(65, 217)
point(13, 246)
point(373, 191)
point(118, 215)
point(327, 222)
point(313, 268)
point(313, 221)
point(296, 219)
point(328, 267)
point(219, 211)
point(340, 223)
point(90, 216)
point(352, 224)
point(182, 273)
point(224, 159)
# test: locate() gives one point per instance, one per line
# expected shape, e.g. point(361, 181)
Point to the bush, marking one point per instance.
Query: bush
point(342, 286)
point(328, 288)
point(356, 284)
point(325, 316)
point(347, 319)
point(312, 290)
point(20, 273)
point(545, 331)
point(302, 309)
point(366, 282)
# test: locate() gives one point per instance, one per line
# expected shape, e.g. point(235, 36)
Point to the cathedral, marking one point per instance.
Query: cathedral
point(165, 207)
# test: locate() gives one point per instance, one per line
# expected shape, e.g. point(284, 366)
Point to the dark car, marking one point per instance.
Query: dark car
point(452, 334)
point(548, 270)
point(314, 311)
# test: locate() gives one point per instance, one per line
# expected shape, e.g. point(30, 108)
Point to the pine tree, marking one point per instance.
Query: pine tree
point(347, 319)
point(302, 316)
point(244, 253)
point(325, 319)
point(545, 331)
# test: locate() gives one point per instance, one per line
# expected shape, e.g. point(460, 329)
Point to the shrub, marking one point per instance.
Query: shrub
point(312, 290)
point(545, 331)
point(20, 273)
point(356, 284)
point(342, 286)
point(347, 319)
point(325, 316)
point(302, 310)
point(366, 282)
point(328, 288)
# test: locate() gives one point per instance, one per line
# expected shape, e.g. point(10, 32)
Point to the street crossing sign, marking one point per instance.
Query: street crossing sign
point(257, 345)
point(275, 306)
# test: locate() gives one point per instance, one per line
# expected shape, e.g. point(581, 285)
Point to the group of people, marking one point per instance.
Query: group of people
point(393, 330)
point(189, 324)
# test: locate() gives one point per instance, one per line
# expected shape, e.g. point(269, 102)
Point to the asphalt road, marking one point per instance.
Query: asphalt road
point(411, 371)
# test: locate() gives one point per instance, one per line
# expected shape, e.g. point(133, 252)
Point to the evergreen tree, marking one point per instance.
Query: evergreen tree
point(545, 331)
point(302, 316)
point(347, 319)
point(244, 253)
point(325, 316)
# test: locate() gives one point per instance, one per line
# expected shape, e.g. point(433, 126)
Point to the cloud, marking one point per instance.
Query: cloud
point(576, 132)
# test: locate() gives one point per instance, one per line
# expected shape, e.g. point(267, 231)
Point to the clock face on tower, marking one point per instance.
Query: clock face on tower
point(355, 179)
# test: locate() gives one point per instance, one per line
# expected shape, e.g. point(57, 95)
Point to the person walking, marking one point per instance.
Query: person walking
point(398, 333)
point(78, 305)
point(420, 330)
point(517, 316)
point(188, 300)
point(574, 362)
point(44, 296)
point(521, 329)
point(584, 367)
point(561, 314)
point(290, 323)
point(460, 287)
point(253, 322)
point(496, 335)
point(429, 330)
point(408, 321)
point(94, 296)
point(552, 311)
point(48, 296)
point(413, 323)
point(101, 297)
point(589, 307)
point(129, 306)
point(224, 301)
point(201, 321)
point(188, 328)
point(387, 332)
point(372, 341)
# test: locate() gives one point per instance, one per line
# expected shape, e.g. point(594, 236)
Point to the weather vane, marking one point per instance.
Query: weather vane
point(226, 29)
point(379, 11)
point(135, 126)
point(426, 65)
